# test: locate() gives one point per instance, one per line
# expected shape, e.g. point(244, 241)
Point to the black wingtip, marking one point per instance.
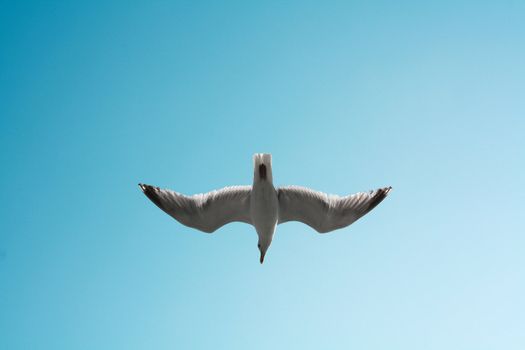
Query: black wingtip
point(151, 193)
point(378, 197)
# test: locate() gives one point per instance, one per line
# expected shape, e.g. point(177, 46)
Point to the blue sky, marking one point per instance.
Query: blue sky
point(347, 96)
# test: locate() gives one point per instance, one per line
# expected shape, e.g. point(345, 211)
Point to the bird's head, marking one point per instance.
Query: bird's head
point(263, 246)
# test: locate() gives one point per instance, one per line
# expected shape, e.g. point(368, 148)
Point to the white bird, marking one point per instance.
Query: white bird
point(264, 206)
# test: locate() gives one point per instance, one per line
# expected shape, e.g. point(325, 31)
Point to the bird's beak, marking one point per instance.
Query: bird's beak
point(262, 257)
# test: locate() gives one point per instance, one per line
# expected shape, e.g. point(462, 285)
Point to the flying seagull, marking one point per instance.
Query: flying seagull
point(264, 206)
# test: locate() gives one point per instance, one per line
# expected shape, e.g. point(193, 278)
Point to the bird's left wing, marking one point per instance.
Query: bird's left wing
point(324, 212)
point(206, 212)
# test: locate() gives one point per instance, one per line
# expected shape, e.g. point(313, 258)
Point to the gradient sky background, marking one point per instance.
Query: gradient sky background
point(347, 96)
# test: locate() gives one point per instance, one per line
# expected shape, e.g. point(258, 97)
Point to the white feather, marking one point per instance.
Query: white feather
point(205, 211)
point(325, 212)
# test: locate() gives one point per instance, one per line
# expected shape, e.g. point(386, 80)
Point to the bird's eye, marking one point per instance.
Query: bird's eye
point(258, 246)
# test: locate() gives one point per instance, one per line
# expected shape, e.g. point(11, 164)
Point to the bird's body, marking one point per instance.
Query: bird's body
point(264, 206)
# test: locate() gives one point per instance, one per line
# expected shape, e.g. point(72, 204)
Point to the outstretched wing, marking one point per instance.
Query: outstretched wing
point(324, 212)
point(206, 212)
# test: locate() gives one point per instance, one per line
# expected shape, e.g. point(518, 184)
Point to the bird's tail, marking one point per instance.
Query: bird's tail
point(262, 158)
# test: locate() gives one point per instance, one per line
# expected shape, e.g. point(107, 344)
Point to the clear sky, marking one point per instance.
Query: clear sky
point(348, 96)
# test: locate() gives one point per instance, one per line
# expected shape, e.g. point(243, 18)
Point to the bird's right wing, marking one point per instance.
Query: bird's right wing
point(206, 212)
point(324, 212)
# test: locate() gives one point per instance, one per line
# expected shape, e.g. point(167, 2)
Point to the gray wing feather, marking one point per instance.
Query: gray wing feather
point(324, 212)
point(206, 212)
